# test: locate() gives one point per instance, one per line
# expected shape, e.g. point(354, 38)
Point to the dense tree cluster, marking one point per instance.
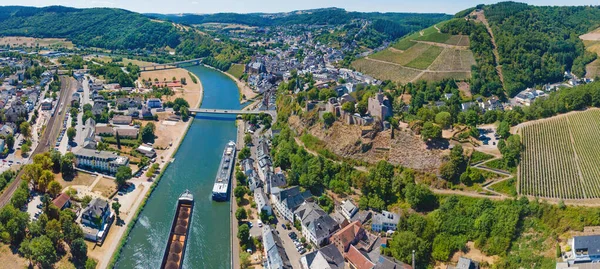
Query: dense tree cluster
point(95, 27)
point(537, 44)
point(114, 74)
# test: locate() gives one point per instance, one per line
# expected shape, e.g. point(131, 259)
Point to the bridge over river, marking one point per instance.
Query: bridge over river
point(271, 113)
point(170, 65)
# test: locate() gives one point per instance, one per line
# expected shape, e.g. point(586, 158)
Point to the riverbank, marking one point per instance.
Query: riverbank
point(196, 163)
point(243, 88)
point(108, 253)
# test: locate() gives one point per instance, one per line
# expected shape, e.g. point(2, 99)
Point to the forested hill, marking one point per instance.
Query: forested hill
point(393, 24)
point(95, 27)
point(537, 44)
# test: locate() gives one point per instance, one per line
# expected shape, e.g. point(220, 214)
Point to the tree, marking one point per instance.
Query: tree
point(240, 214)
point(444, 119)
point(430, 131)
point(10, 141)
point(79, 249)
point(349, 107)
point(118, 139)
point(116, 206)
point(239, 191)
point(328, 118)
point(25, 149)
point(243, 233)
point(147, 133)
point(56, 157)
point(71, 132)
point(123, 174)
point(42, 251)
point(66, 164)
point(244, 153)
point(403, 244)
point(53, 231)
point(247, 139)
point(419, 197)
point(54, 188)
point(503, 129)
point(91, 264)
point(25, 129)
point(184, 111)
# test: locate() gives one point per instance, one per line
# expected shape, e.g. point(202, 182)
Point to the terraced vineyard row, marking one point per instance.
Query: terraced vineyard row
point(562, 157)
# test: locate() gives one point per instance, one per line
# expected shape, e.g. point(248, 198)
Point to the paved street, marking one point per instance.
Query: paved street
point(288, 244)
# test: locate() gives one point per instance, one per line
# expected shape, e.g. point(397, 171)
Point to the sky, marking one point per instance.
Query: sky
point(270, 6)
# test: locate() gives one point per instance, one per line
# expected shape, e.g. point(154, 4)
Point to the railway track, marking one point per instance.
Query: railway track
point(48, 137)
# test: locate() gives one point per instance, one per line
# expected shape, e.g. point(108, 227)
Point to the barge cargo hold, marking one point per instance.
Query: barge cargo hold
point(180, 230)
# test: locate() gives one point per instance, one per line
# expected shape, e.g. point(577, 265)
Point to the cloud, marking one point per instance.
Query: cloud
point(195, 2)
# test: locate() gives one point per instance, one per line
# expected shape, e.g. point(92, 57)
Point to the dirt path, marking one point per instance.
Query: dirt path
point(481, 17)
point(443, 45)
point(438, 29)
point(300, 143)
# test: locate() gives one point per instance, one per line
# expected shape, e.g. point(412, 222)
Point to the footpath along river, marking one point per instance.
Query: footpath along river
point(194, 168)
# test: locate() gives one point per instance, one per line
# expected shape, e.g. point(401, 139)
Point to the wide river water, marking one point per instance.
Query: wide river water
point(194, 168)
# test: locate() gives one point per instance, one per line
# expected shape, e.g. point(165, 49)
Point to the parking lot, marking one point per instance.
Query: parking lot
point(34, 208)
point(288, 243)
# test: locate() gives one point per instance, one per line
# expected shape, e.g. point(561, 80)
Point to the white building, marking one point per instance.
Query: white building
point(317, 225)
point(348, 209)
point(262, 202)
point(287, 200)
point(103, 161)
point(385, 221)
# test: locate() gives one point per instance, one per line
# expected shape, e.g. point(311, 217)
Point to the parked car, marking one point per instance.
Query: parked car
point(283, 226)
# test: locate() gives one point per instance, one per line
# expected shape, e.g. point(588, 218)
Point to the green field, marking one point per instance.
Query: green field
point(402, 57)
point(385, 71)
point(562, 156)
point(506, 187)
point(426, 58)
point(454, 60)
point(236, 70)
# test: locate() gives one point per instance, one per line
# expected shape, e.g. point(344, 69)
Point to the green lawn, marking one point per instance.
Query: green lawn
point(478, 156)
point(506, 187)
point(236, 70)
point(405, 43)
point(435, 37)
point(426, 58)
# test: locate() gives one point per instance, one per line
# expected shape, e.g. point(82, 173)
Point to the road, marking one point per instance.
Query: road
point(48, 138)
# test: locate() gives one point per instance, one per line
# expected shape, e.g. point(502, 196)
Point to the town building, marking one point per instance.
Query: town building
point(147, 150)
point(96, 219)
point(154, 103)
point(121, 120)
point(262, 201)
point(464, 263)
point(348, 209)
point(62, 201)
point(385, 221)
point(349, 235)
point(317, 225)
point(287, 200)
point(276, 258)
point(47, 104)
point(585, 249)
point(327, 257)
point(103, 161)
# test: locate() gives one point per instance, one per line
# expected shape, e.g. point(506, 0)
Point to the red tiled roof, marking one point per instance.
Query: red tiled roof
point(358, 260)
point(347, 234)
point(61, 200)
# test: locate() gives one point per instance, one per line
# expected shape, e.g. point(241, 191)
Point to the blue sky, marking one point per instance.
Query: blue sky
point(247, 6)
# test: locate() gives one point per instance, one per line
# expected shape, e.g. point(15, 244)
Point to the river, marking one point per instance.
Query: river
point(194, 168)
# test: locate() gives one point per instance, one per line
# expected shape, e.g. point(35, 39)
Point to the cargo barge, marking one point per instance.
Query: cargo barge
point(180, 229)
